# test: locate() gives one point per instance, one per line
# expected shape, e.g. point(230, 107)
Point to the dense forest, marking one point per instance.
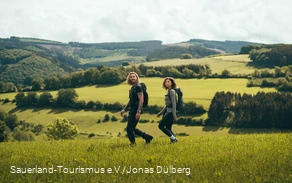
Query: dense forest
point(269, 55)
point(263, 110)
point(177, 51)
point(226, 46)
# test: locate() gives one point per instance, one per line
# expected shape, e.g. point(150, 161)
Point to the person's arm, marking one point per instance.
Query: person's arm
point(173, 102)
point(140, 104)
point(125, 108)
point(161, 112)
point(139, 92)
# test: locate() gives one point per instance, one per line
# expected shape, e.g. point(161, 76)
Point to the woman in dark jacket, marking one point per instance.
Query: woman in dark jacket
point(169, 111)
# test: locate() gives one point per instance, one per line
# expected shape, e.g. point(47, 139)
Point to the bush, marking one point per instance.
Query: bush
point(62, 129)
point(226, 73)
point(38, 129)
point(286, 86)
point(125, 118)
point(91, 135)
point(186, 56)
point(154, 59)
point(6, 101)
point(98, 105)
point(266, 83)
point(106, 118)
point(90, 105)
point(4, 132)
point(79, 104)
point(181, 134)
point(249, 84)
point(143, 120)
point(23, 135)
point(114, 118)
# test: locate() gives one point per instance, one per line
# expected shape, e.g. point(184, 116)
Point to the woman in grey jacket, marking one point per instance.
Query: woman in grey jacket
point(169, 111)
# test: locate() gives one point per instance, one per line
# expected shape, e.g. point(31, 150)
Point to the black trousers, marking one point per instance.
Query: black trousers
point(131, 126)
point(166, 123)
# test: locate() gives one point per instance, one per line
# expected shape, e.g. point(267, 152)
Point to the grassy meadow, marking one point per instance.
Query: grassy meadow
point(224, 158)
point(208, 154)
point(236, 64)
point(199, 90)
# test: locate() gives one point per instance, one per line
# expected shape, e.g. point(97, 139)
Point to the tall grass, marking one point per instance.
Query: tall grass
point(225, 158)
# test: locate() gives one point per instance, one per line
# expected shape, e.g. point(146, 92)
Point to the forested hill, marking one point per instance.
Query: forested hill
point(22, 57)
point(225, 46)
point(269, 55)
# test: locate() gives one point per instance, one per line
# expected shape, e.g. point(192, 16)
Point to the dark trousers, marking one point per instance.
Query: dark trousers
point(131, 126)
point(166, 123)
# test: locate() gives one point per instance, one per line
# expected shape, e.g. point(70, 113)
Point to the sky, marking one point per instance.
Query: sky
point(171, 21)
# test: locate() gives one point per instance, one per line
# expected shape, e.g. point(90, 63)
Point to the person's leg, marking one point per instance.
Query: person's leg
point(132, 130)
point(167, 118)
point(169, 127)
point(165, 125)
point(132, 123)
point(144, 135)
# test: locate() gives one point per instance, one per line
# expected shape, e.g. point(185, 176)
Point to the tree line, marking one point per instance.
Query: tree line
point(20, 130)
point(68, 98)
point(105, 76)
point(269, 55)
point(262, 110)
point(280, 78)
point(119, 45)
point(227, 46)
point(176, 52)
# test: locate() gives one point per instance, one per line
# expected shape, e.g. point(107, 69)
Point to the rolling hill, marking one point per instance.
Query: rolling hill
point(22, 57)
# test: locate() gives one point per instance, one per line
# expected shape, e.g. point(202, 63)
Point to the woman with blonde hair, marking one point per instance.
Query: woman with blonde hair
point(169, 111)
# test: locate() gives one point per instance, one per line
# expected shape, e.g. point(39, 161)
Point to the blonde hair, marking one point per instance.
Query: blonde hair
point(128, 78)
point(173, 83)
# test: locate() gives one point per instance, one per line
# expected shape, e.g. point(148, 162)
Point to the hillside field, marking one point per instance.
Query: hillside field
point(236, 64)
point(199, 90)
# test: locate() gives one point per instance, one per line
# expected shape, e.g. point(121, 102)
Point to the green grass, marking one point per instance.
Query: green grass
point(225, 158)
point(236, 64)
point(199, 90)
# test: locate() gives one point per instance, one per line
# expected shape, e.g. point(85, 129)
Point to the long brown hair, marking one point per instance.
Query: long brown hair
point(128, 78)
point(173, 83)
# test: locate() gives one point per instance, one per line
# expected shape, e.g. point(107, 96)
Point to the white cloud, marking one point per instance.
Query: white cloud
point(134, 20)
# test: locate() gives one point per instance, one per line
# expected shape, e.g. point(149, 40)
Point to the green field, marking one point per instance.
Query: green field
point(199, 90)
point(236, 64)
point(224, 158)
point(208, 154)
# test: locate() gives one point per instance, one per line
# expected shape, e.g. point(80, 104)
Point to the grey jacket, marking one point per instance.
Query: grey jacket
point(169, 102)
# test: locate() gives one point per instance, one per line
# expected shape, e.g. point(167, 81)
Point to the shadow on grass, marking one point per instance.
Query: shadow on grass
point(211, 128)
point(38, 109)
point(17, 109)
point(106, 86)
point(62, 110)
point(257, 66)
point(233, 130)
point(258, 130)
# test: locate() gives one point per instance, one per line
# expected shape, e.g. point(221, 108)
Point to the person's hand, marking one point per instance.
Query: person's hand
point(175, 118)
point(122, 112)
point(138, 115)
point(158, 115)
